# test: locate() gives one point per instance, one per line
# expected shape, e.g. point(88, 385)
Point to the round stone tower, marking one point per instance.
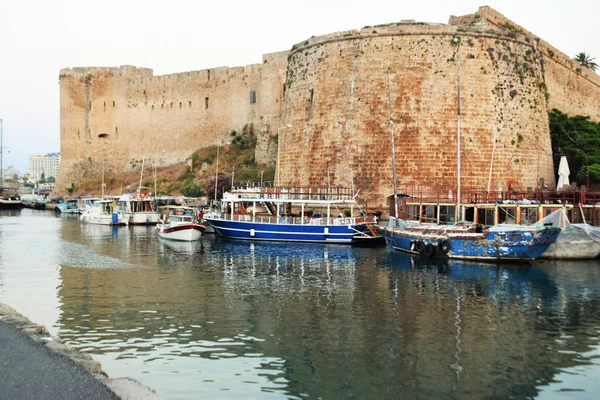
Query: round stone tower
point(336, 121)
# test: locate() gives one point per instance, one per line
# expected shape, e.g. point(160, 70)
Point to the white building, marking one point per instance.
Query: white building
point(48, 165)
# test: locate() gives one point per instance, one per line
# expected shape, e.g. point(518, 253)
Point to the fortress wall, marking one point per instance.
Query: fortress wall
point(573, 89)
point(118, 116)
point(343, 134)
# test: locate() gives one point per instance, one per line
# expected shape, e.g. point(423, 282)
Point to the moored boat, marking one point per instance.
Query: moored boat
point(321, 215)
point(178, 223)
point(104, 212)
point(576, 241)
point(10, 199)
point(469, 241)
point(69, 206)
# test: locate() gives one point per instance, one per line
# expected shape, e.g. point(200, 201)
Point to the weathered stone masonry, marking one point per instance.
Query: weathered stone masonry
point(327, 100)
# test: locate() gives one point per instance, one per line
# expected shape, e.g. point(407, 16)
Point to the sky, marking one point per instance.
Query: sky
point(40, 37)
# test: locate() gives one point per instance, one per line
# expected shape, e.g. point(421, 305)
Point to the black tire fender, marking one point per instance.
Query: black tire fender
point(429, 250)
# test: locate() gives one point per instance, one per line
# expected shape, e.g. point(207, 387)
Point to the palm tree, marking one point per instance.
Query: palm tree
point(585, 60)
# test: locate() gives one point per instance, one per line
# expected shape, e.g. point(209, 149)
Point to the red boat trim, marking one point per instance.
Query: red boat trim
point(197, 227)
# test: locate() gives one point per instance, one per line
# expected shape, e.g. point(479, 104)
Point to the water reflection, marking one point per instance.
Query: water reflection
point(224, 319)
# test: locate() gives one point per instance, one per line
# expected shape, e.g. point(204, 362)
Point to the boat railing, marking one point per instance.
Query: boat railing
point(294, 220)
point(294, 193)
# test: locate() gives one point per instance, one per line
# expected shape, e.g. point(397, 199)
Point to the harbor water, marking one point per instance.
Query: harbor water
point(233, 320)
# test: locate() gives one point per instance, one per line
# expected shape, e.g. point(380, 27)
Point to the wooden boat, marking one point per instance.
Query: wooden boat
point(140, 208)
point(467, 241)
point(294, 215)
point(179, 223)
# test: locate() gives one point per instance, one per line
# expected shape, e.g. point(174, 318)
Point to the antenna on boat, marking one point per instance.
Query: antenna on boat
point(393, 147)
point(141, 175)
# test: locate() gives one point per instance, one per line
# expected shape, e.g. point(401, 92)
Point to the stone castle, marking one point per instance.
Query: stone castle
point(326, 102)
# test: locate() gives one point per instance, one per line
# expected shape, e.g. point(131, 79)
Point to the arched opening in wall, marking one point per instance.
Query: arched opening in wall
point(103, 135)
point(190, 103)
point(206, 103)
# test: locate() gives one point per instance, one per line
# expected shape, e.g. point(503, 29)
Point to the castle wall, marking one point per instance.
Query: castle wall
point(326, 102)
point(116, 117)
point(337, 106)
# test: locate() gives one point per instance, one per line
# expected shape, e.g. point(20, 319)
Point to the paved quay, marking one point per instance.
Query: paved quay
point(33, 365)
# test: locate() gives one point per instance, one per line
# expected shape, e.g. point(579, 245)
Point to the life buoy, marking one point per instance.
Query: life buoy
point(444, 246)
point(419, 246)
point(135, 195)
point(429, 250)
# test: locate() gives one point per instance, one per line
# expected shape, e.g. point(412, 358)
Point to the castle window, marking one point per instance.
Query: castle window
point(206, 103)
point(113, 104)
point(209, 74)
point(252, 96)
point(103, 136)
point(312, 97)
point(190, 104)
point(284, 90)
point(179, 104)
point(116, 130)
point(152, 107)
point(104, 106)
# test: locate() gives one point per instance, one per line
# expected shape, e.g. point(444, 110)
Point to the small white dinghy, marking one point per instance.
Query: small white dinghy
point(179, 223)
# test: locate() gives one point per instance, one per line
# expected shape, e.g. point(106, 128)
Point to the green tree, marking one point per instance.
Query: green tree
point(573, 137)
point(585, 60)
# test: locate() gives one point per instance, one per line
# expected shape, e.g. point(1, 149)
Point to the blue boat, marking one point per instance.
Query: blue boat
point(472, 241)
point(317, 215)
point(68, 207)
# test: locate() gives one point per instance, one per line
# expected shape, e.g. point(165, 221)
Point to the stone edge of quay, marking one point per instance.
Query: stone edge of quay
point(125, 388)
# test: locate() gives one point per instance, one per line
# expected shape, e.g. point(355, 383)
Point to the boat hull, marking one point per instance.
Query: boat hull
point(184, 233)
point(491, 246)
point(10, 204)
point(340, 234)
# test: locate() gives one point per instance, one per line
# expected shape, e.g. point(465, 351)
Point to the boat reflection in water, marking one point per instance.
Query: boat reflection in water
point(230, 319)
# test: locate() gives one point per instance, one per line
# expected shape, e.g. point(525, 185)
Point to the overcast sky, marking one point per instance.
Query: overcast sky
point(39, 37)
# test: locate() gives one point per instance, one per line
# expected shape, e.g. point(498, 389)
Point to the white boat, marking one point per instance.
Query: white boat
point(105, 212)
point(179, 223)
point(576, 241)
point(140, 209)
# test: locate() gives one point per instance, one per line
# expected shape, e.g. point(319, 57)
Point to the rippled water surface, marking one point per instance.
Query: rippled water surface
point(231, 319)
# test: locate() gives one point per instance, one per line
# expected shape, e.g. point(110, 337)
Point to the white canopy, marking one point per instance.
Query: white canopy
point(563, 173)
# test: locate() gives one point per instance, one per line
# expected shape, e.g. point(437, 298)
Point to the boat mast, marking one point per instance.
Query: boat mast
point(457, 216)
point(141, 175)
point(393, 147)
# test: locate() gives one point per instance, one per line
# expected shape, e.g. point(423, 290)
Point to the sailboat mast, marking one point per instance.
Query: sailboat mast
point(457, 215)
point(141, 175)
point(393, 146)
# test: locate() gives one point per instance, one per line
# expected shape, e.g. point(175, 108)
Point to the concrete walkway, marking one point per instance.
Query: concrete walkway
point(33, 365)
point(30, 370)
